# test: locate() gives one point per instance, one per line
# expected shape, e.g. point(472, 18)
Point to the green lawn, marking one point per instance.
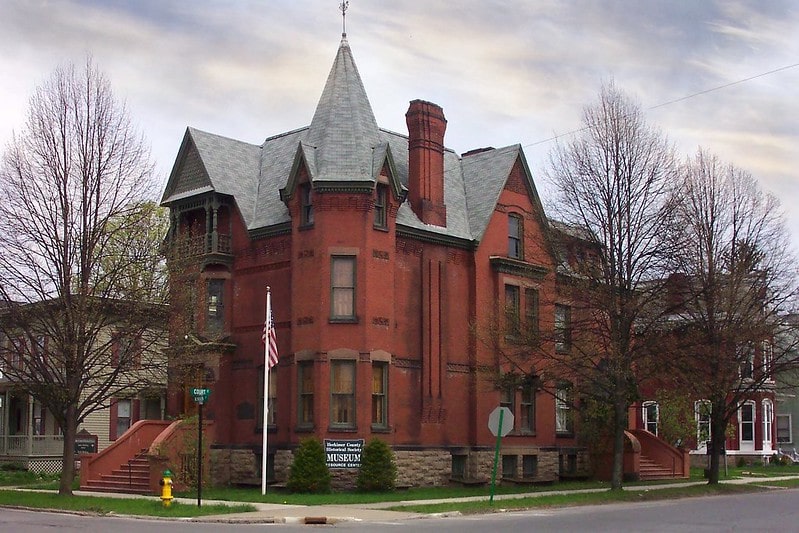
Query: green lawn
point(153, 507)
point(104, 505)
point(592, 498)
point(344, 498)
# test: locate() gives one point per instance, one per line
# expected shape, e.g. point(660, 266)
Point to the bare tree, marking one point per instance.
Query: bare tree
point(739, 281)
point(613, 183)
point(78, 331)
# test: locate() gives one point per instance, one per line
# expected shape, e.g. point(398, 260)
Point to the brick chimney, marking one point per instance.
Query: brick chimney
point(426, 126)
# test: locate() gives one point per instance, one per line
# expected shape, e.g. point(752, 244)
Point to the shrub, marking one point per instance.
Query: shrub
point(378, 470)
point(309, 472)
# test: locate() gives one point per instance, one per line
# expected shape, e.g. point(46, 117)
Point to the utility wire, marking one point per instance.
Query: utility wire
point(676, 100)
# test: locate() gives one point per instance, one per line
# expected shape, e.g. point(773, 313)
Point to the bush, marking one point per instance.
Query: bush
point(309, 472)
point(378, 470)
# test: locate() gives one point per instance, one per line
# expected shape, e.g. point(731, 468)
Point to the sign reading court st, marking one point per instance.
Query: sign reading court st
point(200, 395)
point(500, 421)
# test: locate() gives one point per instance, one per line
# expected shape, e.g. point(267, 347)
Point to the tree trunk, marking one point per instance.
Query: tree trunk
point(717, 442)
point(619, 426)
point(68, 459)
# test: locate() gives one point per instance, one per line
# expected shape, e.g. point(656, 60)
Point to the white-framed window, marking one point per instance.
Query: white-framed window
point(746, 426)
point(784, 435)
point(124, 410)
point(702, 410)
point(768, 420)
point(651, 414)
point(767, 359)
point(564, 420)
point(38, 418)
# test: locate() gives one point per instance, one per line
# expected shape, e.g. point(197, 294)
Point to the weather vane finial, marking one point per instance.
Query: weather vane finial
point(343, 7)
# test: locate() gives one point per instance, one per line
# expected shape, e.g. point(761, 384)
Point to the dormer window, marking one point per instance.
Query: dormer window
point(515, 242)
point(381, 197)
point(306, 205)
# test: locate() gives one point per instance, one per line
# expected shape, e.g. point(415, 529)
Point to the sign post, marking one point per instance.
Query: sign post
point(200, 396)
point(500, 422)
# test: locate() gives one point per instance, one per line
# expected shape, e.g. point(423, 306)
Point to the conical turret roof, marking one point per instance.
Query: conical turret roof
point(343, 131)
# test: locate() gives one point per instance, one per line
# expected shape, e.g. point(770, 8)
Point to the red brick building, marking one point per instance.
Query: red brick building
point(382, 251)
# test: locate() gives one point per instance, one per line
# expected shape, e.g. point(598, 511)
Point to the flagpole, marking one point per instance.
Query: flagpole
point(266, 387)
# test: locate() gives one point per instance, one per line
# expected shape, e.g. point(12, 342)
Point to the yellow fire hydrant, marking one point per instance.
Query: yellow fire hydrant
point(166, 488)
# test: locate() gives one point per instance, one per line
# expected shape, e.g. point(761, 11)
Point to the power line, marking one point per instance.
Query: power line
point(676, 100)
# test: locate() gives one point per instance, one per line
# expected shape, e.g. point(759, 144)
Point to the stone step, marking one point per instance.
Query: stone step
point(117, 486)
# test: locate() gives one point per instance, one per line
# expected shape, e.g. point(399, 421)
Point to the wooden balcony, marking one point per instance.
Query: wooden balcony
point(211, 248)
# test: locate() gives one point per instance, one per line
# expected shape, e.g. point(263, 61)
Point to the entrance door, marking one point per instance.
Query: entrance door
point(651, 417)
point(746, 427)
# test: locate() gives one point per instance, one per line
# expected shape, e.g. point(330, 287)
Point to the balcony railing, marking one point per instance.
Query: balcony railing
point(31, 445)
point(203, 245)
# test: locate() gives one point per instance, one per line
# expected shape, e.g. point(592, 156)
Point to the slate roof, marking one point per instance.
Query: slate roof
point(339, 145)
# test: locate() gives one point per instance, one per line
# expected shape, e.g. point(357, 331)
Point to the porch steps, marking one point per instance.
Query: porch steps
point(132, 477)
point(650, 470)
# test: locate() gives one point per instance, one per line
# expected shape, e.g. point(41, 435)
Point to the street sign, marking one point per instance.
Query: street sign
point(506, 420)
point(200, 395)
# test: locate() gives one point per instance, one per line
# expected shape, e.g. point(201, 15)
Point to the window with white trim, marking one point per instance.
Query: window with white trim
point(651, 413)
point(767, 359)
point(564, 419)
point(768, 418)
point(702, 410)
point(746, 422)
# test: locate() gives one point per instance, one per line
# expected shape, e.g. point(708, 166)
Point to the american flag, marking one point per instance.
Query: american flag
point(269, 338)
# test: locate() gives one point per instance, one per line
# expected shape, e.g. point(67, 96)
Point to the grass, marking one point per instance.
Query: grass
point(349, 498)
point(14, 477)
point(125, 506)
point(153, 507)
point(591, 498)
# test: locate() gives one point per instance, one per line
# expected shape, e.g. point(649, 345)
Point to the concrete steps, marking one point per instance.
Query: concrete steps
point(650, 470)
point(132, 477)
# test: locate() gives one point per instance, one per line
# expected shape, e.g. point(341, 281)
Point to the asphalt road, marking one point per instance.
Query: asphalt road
point(776, 511)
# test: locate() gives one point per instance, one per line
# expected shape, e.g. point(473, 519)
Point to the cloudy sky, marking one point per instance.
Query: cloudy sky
point(505, 72)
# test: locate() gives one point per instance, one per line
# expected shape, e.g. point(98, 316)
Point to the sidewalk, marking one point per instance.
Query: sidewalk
point(378, 512)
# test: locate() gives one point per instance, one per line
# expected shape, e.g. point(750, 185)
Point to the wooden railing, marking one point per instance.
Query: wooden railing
point(31, 445)
point(203, 244)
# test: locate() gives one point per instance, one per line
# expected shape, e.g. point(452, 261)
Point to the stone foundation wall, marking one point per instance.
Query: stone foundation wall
point(424, 468)
point(283, 460)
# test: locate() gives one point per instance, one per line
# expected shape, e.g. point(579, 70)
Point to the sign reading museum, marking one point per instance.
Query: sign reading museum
point(343, 453)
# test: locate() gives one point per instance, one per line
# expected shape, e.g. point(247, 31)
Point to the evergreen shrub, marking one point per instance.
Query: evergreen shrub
point(378, 470)
point(309, 472)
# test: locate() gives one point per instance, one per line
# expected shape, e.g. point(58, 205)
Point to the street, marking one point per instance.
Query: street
point(776, 510)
